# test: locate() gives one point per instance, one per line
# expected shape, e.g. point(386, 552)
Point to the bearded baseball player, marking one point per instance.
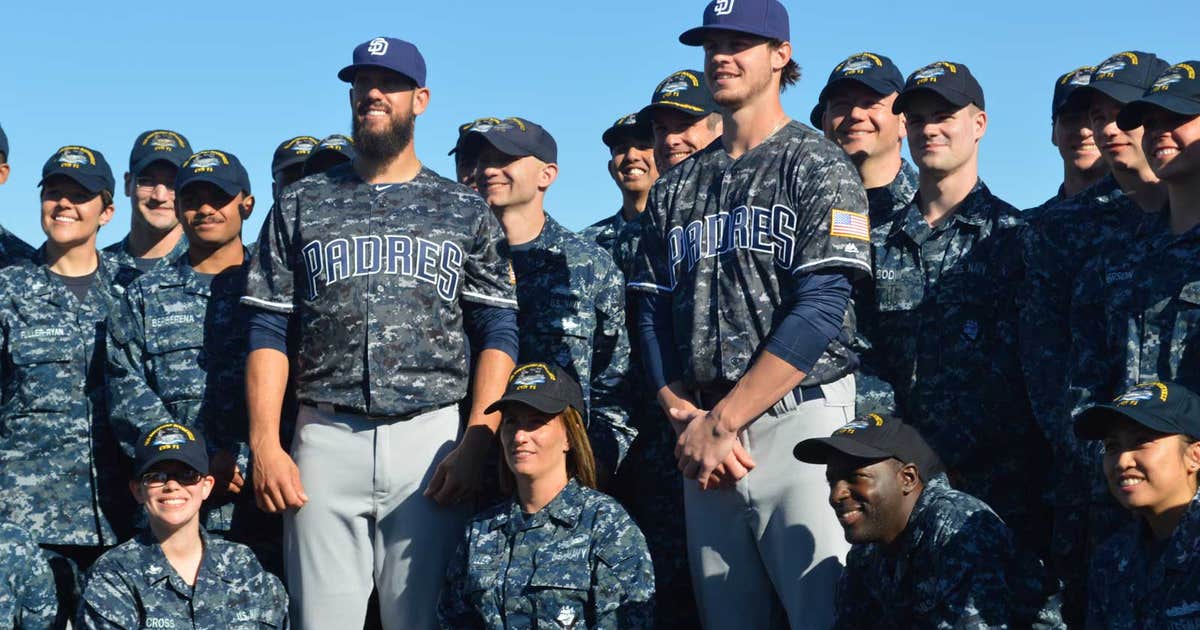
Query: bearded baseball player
point(746, 267)
point(381, 265)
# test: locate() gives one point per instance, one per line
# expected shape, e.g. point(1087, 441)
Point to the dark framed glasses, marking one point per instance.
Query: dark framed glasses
point(157, 479)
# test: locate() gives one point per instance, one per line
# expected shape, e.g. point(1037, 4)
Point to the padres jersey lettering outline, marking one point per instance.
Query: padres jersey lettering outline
point(745, 227)
point(390, 254)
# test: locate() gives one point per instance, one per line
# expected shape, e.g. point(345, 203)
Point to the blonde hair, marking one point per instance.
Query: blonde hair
point(581, 463)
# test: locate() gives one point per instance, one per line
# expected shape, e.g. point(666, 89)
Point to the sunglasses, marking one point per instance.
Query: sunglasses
point(157, 479)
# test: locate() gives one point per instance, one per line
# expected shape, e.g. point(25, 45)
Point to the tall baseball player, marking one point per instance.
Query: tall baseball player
point(155, 236)
point(381, 264)
point(746, 269)
point(13, 250)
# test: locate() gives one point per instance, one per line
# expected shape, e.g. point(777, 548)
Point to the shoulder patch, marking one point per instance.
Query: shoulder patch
point(850, 225)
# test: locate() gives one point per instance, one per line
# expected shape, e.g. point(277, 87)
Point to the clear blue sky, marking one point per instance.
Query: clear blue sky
point(242, 76)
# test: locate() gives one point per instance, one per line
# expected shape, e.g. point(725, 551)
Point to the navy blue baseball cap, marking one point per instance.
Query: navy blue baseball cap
point(1162, 406)
point(1067, 85)
point(291, 152)
point(158, 145)
point(543, 386)
point(468, 127)
point(950, 80)
point(170, 442)
point(516, 137)
point(219, 168)
point(1125, 76)
point(764, 18)
point(1176, 90)
point(330, 151)
point(873, 436)
point(86, 166)
point(876, 72)
point(3, 143)
point(685, 91)
point(388, 53)
point(632, 126)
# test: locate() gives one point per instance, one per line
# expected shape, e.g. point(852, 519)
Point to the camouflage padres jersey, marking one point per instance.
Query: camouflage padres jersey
point(578, 563)
point(374, 275)
point(944, 333)
point(134, 586)
point(27, 595)
point(873, 394)
point(177, 351)
point(727, 239)
point(954, 566)
point(572, 313)
point(128, 271)
point(1059, 241)
point(1139, 582)
point(58, 457)
point(13, 250)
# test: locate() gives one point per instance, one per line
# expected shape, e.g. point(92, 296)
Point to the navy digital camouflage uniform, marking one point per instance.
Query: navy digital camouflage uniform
point(572, 313)
point(648, 483)
point(1059, 241)
point(177, 351)
point(59, 461)
point(127, 269)
point(134, 586)
point(943, 331)
point(373, 275)
point(1137, 582)
point(27, 596)
point(578, 563)
point(727, 238)
point(873, 393)
point(954, 566)
point(13, 250)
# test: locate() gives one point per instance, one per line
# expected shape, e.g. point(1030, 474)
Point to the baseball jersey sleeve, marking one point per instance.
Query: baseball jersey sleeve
point(649, 270)
point(832, 228)
point(270, 284)
point(134, 406)
point(610, 431)
point(488, 276)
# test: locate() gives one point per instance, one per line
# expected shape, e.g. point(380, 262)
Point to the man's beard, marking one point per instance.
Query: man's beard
point(378, 147)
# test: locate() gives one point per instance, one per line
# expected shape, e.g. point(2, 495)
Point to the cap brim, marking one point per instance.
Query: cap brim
point(1119, 92)
point(954, 97)
point(287, 162)
point(695, 36)
point(530, 398)
point(231, 188)
point(347, 74)
point(818, 450)
point(1133, 114)
point(498, 141)
point(197, 464)
point(139, 166)
point(93, 183)
point(614, 134)
point(1093, 422)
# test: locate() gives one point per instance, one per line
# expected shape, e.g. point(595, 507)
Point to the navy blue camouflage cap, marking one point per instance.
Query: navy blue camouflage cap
point(951, 80)
point(1066, 86)
point(388, 53)
point(874, 71)
point(220, 168)
point(1176, 90)
point(516, 137)
point(763, 18)
point(685, 91)
point(1126, 76)
point(543, 386)
point(3, 143)
point(1162, 406)
point(86, 166)
point(331, 151)
point(158, 145)
point(291, 152)
point(629, 126)
point(468, 127)
point(873, 436)
point(170, 442)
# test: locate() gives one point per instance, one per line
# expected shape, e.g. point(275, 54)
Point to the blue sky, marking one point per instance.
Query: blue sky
point(242, 76)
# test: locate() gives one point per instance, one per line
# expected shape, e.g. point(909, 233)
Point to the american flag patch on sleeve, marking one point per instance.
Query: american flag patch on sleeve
point(850, 225)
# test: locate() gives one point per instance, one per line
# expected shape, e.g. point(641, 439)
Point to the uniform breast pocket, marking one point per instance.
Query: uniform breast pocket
point(44, 367)
point(178, 348)
point(561, 592)
point(562, 338)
